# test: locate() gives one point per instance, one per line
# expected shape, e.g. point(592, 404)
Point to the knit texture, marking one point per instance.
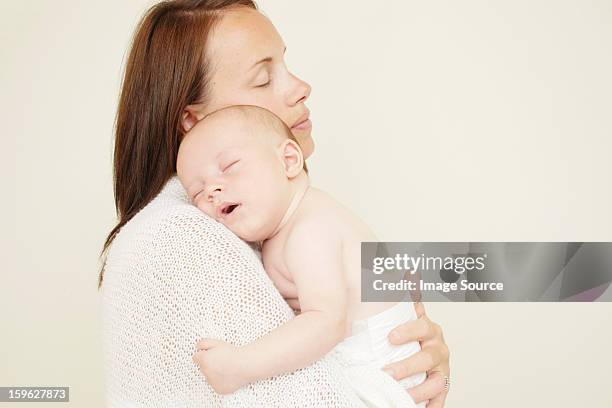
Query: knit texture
point(174, 275)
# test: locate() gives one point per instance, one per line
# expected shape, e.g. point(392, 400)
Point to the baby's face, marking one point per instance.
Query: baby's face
point(235, 176)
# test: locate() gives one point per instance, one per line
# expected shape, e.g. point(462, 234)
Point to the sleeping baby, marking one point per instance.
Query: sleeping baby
point(242, 166)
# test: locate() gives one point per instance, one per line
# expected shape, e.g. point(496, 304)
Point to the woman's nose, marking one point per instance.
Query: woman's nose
point(300, 91)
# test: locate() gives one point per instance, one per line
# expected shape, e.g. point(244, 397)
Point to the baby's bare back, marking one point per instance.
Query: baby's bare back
point(325, 218)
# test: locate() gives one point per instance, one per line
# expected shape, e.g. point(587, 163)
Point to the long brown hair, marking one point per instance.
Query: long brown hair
point(166, 71)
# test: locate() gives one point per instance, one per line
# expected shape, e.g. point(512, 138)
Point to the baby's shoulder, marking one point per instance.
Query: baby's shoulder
point(319, 207)
point(322, 213)
point(318, 214)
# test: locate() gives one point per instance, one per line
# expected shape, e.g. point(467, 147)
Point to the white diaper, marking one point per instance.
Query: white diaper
point(367, 350)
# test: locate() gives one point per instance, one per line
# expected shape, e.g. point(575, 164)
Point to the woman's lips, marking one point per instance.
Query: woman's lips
point(303, 125)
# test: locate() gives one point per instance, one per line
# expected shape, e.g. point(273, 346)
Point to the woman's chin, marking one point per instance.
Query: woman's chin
point(306, 144)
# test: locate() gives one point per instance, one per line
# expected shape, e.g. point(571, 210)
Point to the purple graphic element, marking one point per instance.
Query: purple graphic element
point(588, 295)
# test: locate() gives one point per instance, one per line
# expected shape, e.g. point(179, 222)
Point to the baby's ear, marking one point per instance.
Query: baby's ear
point(293, 159)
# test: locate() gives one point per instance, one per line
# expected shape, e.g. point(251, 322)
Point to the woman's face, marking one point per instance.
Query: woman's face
point(246, 54)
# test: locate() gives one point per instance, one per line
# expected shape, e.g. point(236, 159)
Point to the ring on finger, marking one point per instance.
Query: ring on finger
point(446, 382)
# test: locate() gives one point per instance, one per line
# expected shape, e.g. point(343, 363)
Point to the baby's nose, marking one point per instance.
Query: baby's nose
point(213, 195)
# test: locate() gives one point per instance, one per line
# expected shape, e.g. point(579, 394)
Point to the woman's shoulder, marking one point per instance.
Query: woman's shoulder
point(169, 222)
point(172, 241)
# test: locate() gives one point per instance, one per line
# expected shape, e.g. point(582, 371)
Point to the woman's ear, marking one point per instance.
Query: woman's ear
point(191, 115)
point(293, 159)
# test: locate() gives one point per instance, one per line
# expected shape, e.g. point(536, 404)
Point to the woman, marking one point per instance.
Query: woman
point(171, 274)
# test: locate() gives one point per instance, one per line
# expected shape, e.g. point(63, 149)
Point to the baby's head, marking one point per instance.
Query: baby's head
point(239, 165)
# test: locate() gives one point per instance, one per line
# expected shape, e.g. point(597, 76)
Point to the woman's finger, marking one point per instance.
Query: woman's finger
point(419, 309)
point(413, 330)
point(430, 389)
point(438, 401)
point(419, 362)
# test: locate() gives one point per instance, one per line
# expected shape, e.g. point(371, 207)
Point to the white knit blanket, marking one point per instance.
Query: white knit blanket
point(173, 275)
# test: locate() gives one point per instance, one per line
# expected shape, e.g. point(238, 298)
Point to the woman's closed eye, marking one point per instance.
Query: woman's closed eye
point(263, 80)
point(263, 85)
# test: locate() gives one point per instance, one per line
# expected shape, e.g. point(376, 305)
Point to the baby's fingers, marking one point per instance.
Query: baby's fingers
point(207, 344)
point(196, 357)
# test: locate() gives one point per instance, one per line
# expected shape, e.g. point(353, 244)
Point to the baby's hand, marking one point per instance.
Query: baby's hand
point(220, 363)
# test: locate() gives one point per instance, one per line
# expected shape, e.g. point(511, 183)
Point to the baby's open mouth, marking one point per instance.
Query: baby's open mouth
point(229, 208)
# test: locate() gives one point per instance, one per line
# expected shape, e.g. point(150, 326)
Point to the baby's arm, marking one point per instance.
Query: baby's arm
point(313, 255)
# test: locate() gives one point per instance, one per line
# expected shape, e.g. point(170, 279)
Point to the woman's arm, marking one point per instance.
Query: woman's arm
point(433, 358)
point(199, 280)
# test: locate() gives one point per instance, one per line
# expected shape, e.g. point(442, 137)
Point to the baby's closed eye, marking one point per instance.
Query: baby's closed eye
point(231, 164)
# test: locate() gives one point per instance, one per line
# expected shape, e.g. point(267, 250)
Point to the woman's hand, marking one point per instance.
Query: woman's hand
point(433, 358)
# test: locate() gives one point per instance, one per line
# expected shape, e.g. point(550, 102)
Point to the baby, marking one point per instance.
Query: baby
point(242, 166)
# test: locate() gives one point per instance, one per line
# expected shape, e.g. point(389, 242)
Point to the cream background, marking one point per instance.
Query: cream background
point(434, 121)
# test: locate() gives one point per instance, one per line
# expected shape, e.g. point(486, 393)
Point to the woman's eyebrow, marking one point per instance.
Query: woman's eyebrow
point(266, 59)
